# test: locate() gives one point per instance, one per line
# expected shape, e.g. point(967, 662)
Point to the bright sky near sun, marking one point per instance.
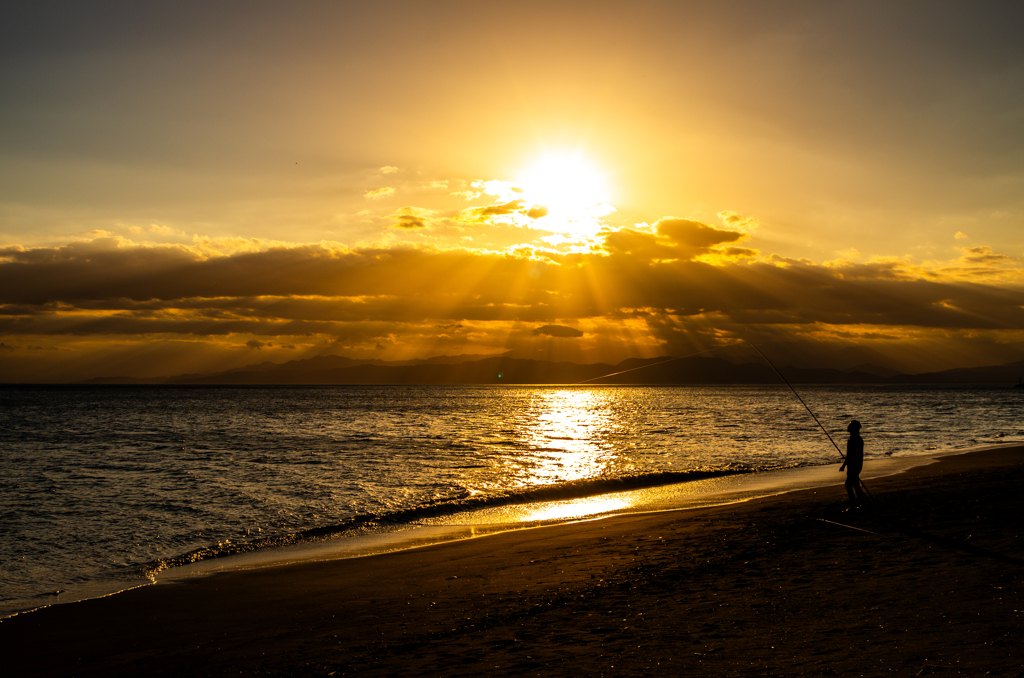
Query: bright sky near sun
point(191, 186)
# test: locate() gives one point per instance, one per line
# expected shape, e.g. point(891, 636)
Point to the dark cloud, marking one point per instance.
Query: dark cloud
point(674, 239)
point(984, 255)
point(106, 288)
point(737, 252)
point(558, 331)
point(499, 210)
point(479, 215)
point(689, 233)
point(256, 345)
point(410, 218)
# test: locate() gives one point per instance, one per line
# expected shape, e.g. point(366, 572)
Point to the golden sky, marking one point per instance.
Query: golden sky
point(187, 187)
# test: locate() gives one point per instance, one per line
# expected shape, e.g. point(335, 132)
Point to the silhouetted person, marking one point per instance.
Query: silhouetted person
point(854, 463)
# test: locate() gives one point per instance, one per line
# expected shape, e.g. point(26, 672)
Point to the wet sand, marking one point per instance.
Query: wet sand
point(930, 582)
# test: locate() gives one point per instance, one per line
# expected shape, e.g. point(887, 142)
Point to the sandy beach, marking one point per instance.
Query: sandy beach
point(927, 581)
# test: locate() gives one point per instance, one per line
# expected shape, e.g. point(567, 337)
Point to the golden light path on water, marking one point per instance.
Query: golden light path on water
point(564, 432)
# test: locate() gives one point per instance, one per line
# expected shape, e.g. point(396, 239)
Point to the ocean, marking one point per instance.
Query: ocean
point(102, 488)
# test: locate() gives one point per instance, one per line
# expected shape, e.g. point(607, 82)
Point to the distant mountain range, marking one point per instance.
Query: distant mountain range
point(471, 369)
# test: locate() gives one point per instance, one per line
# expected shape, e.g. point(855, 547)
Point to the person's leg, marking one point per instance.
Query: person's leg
point(851, 482)
point(861, 495)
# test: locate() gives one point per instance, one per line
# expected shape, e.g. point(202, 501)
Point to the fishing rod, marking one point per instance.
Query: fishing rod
point(770, 363)
point(809, 411)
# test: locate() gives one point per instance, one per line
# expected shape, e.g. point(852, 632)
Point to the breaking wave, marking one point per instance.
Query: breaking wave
point(461, 503)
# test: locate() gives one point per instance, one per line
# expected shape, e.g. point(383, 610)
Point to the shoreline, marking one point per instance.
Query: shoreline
point(704, 590)
point(491, 520)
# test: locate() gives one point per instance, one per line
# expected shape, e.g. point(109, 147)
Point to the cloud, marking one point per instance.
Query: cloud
point(153, 228)
point(640, 292)
point(166, 230)
point(983, 255)
point(479, 215)
point(695, 234)
point(503, 213)
point(735, 253)
point(388, 169)
point(412, 218)
point(960, 235)
point(734, 220)
point(309, 287)
point(378, 193)
point(558, 331)
point(504, 191)
point(674, 239)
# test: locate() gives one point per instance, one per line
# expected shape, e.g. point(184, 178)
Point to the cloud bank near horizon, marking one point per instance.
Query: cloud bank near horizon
point(664, 289)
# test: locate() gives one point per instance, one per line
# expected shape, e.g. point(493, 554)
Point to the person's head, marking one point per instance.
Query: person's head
point(854, 426)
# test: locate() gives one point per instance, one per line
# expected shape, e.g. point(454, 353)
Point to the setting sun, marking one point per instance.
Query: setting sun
point(572, 189)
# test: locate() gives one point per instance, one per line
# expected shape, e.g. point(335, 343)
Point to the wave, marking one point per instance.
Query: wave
point(464, 501)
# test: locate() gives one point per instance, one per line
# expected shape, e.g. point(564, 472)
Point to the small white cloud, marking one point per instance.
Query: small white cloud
point(388, 169)
point(166, 230)
point(503, 190)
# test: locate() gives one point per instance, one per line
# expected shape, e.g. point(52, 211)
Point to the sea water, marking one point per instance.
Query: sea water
point(102, 487)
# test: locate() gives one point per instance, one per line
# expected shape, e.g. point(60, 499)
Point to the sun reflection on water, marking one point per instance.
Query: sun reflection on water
point(563, 435)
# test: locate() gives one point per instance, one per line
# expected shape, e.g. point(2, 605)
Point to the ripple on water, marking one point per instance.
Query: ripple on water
point(98, 483)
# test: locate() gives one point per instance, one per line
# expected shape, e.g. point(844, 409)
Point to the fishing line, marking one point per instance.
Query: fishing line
point(634, 369)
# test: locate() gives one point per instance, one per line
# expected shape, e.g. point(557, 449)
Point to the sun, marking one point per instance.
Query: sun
point(573, 190)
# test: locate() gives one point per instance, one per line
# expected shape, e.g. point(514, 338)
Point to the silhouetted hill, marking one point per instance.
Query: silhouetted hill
point(877, 370)
point(994, 374)
point(338, 370)
point(503, 370)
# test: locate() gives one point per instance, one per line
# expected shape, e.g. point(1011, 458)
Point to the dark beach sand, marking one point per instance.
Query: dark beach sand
point(755, 589)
